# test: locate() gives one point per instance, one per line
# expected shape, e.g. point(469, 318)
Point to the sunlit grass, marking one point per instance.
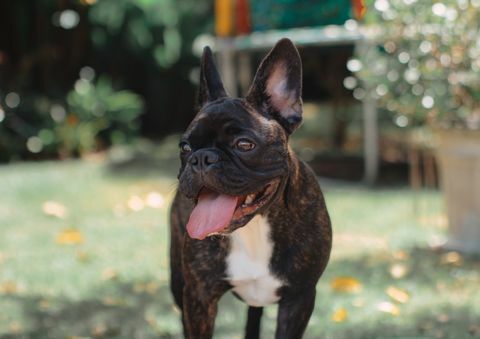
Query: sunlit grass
point(114, 282)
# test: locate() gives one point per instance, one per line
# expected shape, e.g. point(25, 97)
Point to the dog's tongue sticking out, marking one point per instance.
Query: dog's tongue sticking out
point(212, 213)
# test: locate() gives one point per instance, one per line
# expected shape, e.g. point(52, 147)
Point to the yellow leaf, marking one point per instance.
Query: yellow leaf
point(340, 315)
point(109, 274)
point(69, 236)
point(398, 294)
point(346, 284)
point(8, 287)
point(388, 307)
point(135, 203)
point(54, 209)
point(155, 200)
point(398, 271)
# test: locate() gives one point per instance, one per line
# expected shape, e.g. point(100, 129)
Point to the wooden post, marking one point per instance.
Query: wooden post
point(370, 139)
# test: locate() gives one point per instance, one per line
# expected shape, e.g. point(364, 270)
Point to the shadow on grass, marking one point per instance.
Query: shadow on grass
point(127, 310)
point(118, 310)
point(144, 309)
point(442, 300)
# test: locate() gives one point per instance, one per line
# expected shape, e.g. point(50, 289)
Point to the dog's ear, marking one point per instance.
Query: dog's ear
point(211, 86)
point(277, 88)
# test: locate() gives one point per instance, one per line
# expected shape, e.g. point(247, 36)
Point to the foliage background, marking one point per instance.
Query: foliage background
point(423, 66)
point(53, 54)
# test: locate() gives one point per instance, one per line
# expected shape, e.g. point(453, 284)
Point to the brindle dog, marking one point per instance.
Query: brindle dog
point(249, 216)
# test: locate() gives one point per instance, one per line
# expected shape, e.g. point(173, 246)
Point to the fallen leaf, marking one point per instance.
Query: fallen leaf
point(83, 256)
point(151, 287)
point(398, 294)
point(155, 200)
point(451, 258)
point(8, 287)
point(358, 302)
point(346, 284)
point(69, 236)
point(340, 315)
point(400, 255)
point(15, 327)
point(388, 307)
point(54, 209)
point(99, 330)
point(135, 203)
point(113, 301)
point(398, 271)
point(176, 309)
point(474, 329)
point(44, 304)
point(443, 318)
point(109, 274)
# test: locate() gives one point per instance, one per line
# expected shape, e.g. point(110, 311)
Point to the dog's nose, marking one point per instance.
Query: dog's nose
point(202, 160)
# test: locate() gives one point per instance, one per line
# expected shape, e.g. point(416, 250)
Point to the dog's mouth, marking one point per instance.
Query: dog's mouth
point(215, 211)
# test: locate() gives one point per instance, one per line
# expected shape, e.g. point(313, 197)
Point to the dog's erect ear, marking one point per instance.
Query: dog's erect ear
point(211, 86)
point(277, 88)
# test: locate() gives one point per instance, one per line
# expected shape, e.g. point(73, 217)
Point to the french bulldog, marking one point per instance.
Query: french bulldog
point(248, 216)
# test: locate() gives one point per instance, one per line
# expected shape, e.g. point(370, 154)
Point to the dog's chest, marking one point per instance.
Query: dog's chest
point(248, 263)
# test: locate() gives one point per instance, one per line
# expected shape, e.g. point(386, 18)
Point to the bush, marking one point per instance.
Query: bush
point(94, 116)
point(424, 65)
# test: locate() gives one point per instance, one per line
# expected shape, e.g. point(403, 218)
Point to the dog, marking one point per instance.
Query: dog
point(248, 216)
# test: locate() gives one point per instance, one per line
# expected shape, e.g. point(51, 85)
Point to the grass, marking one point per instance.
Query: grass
point(113, 280)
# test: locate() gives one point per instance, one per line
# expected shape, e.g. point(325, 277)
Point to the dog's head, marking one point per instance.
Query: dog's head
point(235, 154)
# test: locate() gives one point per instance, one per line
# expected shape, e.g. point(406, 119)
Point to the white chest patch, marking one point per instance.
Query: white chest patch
point(248, 263)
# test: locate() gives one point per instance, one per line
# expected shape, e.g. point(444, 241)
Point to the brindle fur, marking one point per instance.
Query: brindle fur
point(300, 225)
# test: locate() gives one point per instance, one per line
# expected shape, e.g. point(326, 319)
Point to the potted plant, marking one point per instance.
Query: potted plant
point(424, 66)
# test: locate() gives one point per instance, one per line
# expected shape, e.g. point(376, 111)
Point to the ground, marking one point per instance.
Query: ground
point(84, 253)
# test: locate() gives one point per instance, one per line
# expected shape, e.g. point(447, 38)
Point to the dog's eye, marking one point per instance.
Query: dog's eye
point(244, 145)
point(185, 148)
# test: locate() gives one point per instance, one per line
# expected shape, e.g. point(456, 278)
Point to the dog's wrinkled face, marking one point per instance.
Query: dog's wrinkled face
point(235, 152)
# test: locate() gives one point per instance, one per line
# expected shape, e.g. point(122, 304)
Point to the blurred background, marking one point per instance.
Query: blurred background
point(94, 94)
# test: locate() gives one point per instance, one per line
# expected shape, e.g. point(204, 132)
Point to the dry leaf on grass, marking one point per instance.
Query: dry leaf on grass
point(83, 256)
point(340, 315)
point(15, 327)
point(54, 209)
point(135, 203)
point(109, 274)
point(69, 236)
point(346, 284)
point(8, 287)
point(398, 294)
point(388, 307)
point(398, 271)
point(451, 258)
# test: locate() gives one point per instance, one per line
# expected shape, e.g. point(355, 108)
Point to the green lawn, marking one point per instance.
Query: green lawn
point(107, 276)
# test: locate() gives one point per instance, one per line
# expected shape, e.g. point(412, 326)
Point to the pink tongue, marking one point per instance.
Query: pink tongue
point(212, 213)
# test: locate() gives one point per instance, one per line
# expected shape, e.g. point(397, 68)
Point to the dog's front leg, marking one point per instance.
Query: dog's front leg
point(293, 315)
point(199, 311)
